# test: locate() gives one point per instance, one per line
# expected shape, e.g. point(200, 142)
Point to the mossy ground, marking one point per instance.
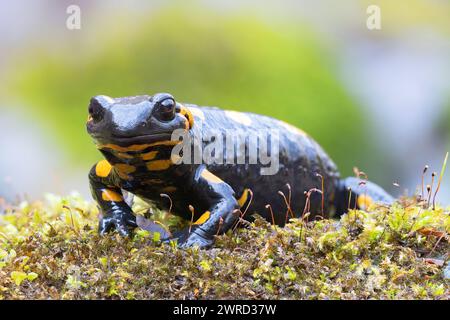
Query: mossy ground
point(51, 250)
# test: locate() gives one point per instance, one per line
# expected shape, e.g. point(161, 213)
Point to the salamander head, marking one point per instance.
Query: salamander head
point(134, 120)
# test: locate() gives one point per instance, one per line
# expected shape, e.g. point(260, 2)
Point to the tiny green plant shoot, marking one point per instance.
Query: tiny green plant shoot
point(50, 249)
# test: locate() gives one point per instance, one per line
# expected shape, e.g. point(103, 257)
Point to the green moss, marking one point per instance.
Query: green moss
point(51, 249)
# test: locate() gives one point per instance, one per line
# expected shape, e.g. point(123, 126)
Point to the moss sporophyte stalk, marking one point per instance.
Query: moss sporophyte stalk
point(51, 249)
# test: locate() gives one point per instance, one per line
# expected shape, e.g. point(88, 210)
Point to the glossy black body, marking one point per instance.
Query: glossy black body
point(134, 133)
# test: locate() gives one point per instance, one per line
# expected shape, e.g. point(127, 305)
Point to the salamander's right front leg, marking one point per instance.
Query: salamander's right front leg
point(116, 212)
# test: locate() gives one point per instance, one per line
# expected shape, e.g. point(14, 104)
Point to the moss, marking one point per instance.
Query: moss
point(51, 249)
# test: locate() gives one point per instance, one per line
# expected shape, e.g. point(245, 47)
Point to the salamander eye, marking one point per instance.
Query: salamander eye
point(165, 109)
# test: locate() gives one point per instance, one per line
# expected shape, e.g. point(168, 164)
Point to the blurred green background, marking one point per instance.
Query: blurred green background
point(300, 62)
point(203, 58)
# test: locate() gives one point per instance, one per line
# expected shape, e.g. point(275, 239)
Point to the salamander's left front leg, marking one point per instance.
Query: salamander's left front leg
point(221, 215)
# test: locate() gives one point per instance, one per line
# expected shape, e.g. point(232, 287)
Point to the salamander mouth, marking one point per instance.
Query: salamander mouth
point(141, 139)
point(133, 140)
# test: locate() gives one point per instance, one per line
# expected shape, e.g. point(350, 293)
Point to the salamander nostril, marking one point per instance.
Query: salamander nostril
point(96, 109)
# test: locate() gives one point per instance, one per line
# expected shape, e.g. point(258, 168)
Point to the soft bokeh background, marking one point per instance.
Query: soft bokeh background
point(378, 100)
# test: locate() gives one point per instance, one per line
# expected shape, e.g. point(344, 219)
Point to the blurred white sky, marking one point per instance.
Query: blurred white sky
point(400, 75)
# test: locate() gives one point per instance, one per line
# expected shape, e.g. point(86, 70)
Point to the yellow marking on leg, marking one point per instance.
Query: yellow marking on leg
point(149, 155)
point(158, 165)
point(109, 195)
point(243, 199)
point(188, 115)
point(103, 168)
point(203, 218)
point(239, 117)
point(139, 147)
point(208, 176)
point(168, 189)
point(364, 201)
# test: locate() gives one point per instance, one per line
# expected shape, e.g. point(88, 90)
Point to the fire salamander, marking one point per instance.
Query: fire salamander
point(134, 134)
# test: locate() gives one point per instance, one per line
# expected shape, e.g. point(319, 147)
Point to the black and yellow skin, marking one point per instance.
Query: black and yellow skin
point(134, 135)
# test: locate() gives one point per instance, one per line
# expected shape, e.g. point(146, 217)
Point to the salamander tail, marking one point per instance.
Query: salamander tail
point(351, 193)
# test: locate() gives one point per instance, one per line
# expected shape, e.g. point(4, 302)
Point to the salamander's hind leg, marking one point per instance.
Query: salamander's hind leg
point(362, 194)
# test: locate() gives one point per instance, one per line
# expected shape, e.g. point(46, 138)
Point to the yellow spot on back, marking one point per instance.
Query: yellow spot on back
point(158, 165)
point(203, 218)
point(208, 176)
point(364, 201)
point(188, 115)
point(243, 199)
point(169, 189)
point(103, 168)
point(239, 117)
point(109, 195)
point(149, 155)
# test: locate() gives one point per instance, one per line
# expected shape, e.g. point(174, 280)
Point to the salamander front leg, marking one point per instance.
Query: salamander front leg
point(116, 213)
point(220, 216)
